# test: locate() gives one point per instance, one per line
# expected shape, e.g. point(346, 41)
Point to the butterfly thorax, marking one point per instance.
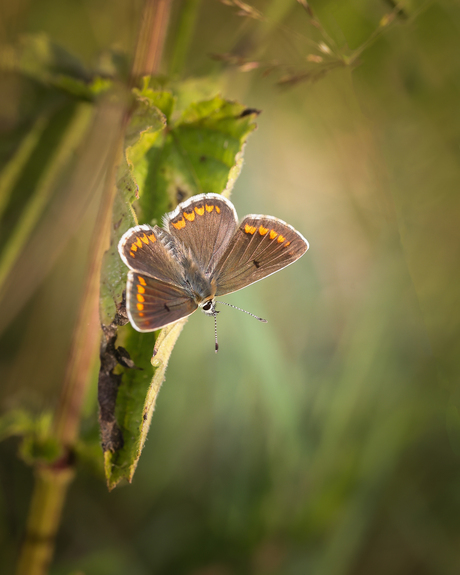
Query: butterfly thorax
point(201, 287)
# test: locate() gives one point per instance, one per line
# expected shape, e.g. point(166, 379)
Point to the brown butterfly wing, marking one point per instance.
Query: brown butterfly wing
point(261, 246)
point(157, 293)
point(152, 304)
point(204, 225)
point(153, 252)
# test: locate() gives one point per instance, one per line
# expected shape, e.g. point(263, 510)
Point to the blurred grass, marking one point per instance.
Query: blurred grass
point(326, 441)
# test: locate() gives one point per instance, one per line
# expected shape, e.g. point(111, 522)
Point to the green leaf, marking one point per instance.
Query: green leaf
point(114, 272)
point(17, 422)
point(137, 396)
point(38, 57)
point(146, 119)
point(81, 89)
point(35, 449)
point(163, 100)
point(38, 443)
point(199, 152)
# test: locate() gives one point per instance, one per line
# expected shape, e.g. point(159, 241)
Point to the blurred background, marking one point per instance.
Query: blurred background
point(328, 440)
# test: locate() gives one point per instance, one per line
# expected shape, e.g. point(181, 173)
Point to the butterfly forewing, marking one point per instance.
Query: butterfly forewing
point(205, 224)
point(261, 246)
point(152, 303)
point(151, 251)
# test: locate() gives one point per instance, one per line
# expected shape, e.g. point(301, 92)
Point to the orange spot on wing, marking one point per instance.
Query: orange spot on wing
point(131, 254)
point(152, 238)
point(250, 229)
point(142, 280)
point(218, 209)
point(139, 306)
point(138, 242)
point(273, 234)
point(200, 211)
point(286, 244)
point(140, 289)
point(140, 313)
point(190, 217)
point(262, 230)
point(180, 224)
point(145, 239)
point(209, 208)
point(140, 298)
point(280, 239)
point(134, 248)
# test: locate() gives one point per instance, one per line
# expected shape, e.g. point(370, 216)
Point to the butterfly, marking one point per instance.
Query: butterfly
point(201, 252)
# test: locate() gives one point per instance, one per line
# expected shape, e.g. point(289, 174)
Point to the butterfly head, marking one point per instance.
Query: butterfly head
point(209, 307)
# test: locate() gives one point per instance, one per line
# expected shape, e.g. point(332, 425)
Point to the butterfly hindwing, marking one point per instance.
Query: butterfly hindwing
point(152, 303)
point(261, 246)
point(205, 224)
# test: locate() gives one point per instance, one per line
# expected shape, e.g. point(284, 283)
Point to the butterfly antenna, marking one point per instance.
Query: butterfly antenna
point(215, 332)
point(239, 309)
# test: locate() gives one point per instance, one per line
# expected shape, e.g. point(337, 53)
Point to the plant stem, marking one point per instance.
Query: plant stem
point(52, 481)
point(152, 36)
point(45, 511)
point(184, 34)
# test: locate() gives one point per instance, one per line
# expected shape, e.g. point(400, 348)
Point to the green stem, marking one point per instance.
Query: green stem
point(45, 511)
point(183, 37)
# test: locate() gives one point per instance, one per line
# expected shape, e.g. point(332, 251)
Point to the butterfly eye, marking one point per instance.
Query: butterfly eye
point(207, 306)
